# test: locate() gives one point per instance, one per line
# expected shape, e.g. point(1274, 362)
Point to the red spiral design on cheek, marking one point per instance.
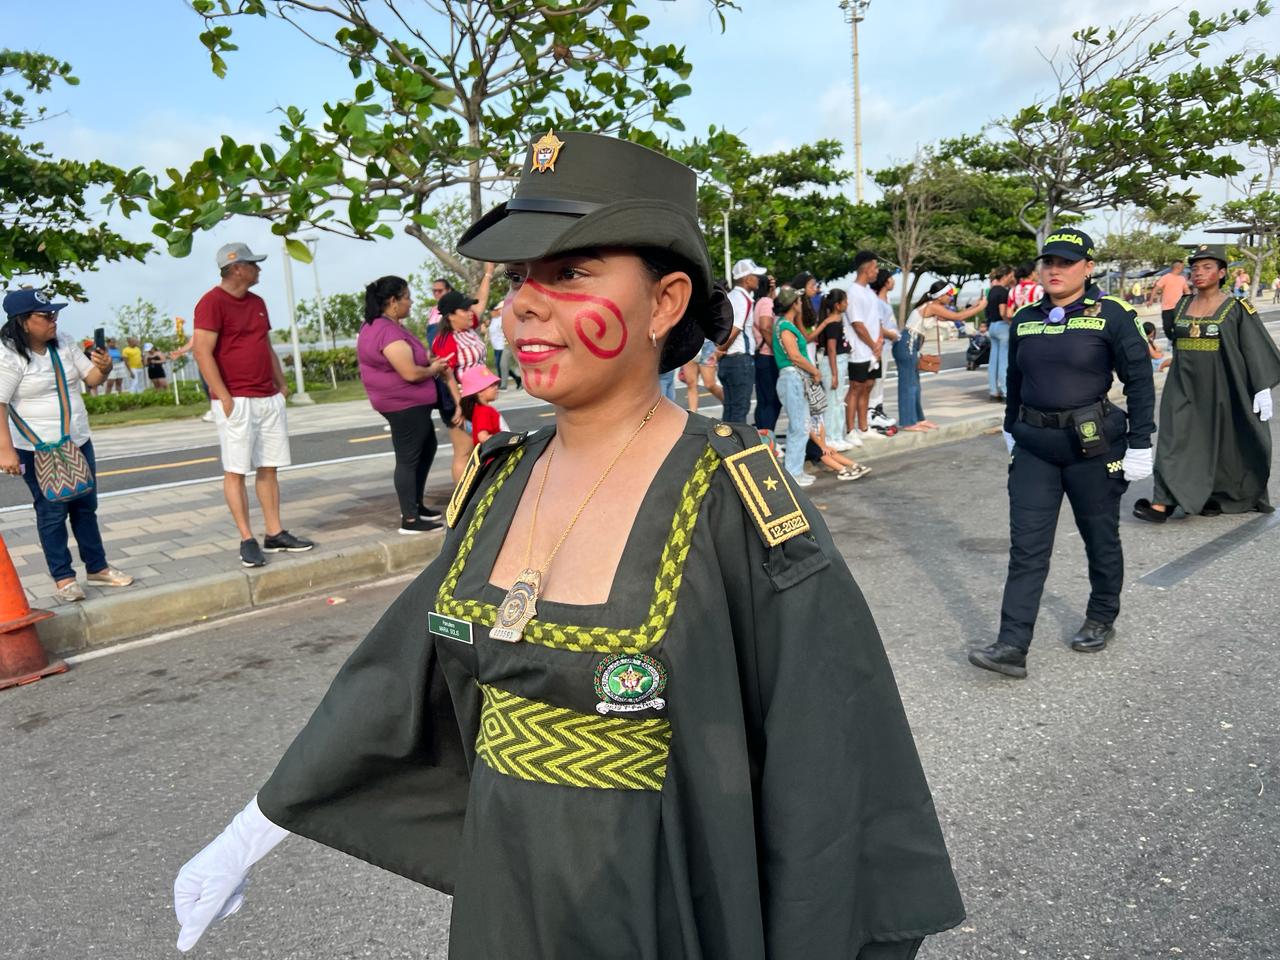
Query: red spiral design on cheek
point(598, 339)
point(593, 340)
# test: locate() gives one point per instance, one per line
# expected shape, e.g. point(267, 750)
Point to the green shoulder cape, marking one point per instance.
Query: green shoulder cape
point(712, 765)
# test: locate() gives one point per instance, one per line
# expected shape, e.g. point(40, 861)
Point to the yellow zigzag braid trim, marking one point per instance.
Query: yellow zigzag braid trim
point(599, 639)
point(536, 741)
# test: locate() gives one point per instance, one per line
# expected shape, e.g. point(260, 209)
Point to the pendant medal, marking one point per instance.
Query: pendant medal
point(518, 607)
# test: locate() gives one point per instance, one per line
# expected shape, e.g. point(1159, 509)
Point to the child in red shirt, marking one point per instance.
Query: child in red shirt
point(479, 388)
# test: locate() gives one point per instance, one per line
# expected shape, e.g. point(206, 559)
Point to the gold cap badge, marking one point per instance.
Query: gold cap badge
point(545, 151)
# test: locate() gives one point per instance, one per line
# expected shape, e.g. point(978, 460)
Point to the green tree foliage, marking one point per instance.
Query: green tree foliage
point(446, 96)
point(936, 212)
point(143, 319)
point(1134, 110)
point(452, 218)
point(1259, 211)
point(786, 210)
point(1132, 249)
point(45, 228)
point(343, 317)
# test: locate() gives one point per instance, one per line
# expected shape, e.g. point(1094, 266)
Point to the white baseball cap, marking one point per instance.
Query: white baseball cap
point(745, 268)
point(237, 253)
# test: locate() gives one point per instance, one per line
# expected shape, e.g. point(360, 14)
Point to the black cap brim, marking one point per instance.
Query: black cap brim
point(1065, 251)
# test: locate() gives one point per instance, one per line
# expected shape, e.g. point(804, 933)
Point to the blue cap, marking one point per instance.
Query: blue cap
point(18, 302)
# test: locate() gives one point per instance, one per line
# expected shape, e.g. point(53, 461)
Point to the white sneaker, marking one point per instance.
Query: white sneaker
point(803, 480)
point(208, 416)
point(882, 420)
point(853, 439)
point(839, 446)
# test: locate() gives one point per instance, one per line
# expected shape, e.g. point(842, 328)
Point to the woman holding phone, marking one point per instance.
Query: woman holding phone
point(40, 373)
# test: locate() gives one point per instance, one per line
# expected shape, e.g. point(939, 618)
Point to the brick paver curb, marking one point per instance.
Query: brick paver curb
point(105, 620)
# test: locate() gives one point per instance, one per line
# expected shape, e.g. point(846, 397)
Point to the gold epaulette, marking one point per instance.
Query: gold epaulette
point(482, 457)
point(765, 489)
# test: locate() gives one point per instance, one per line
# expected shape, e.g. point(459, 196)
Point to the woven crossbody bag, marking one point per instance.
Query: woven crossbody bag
point(62, 472)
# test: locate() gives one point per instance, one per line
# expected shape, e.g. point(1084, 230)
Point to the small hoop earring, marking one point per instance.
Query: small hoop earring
point(653, 338)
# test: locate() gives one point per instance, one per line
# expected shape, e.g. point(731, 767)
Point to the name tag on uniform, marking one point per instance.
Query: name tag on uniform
point(449, 627)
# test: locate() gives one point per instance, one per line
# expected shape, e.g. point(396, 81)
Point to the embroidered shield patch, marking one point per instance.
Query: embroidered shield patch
point(626, 683)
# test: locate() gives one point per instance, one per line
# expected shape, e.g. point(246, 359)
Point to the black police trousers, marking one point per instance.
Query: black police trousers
point(1047, 463)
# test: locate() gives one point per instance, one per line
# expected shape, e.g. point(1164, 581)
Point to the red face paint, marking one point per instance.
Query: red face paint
point(597, 338)
point(552, 374)
point(534, 376)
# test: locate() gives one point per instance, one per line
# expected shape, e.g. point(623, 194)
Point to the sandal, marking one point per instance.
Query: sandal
point(1144, 510)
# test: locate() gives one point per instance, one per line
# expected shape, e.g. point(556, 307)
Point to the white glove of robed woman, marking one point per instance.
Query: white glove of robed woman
point(1137, 464)
point(1262, 405)
point(1008, 440)
point(210, 886)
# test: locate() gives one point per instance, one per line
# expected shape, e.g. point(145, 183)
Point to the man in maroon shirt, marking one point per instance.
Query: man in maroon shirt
point(247, 390)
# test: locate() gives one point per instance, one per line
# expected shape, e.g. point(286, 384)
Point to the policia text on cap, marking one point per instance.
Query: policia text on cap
point(1064, 436)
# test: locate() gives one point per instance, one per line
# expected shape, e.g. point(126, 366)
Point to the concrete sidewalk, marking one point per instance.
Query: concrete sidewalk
point(180, 544)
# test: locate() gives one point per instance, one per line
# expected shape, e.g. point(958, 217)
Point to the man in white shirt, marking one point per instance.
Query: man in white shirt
point(865, 342)
point(735, 364)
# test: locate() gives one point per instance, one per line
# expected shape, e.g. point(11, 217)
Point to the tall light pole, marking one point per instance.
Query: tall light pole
point(300, 391)
point(314, 243)
point(728, 259)
point(854, 11)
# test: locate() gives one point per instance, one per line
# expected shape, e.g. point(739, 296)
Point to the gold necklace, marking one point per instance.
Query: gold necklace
point(521, 602)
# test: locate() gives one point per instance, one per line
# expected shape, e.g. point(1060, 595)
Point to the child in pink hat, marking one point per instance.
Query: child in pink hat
point(479, 388)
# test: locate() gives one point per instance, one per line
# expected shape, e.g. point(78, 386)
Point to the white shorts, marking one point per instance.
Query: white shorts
point(255, 435)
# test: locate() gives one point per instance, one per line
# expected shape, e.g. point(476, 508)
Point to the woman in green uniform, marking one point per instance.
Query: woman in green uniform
point(1214, 451)
point(637, 707)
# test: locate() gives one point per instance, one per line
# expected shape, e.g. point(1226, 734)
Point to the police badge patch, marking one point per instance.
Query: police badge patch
point(545, 151)
point(626, 683)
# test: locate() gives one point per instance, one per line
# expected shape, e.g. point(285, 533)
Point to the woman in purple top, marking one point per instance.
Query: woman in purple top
point(399, 377)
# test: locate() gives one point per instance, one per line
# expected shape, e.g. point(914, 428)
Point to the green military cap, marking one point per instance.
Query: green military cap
point(579, 191)
point(1210, 251)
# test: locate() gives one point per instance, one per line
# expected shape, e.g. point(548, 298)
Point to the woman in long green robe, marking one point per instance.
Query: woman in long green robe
point(1213, 450)
point(694, 749)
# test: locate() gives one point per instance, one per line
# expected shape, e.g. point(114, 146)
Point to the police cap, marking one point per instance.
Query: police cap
point(1070, 244)
point(579, 191)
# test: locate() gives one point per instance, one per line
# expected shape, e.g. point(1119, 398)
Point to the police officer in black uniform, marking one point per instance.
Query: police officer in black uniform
point(1065, 436)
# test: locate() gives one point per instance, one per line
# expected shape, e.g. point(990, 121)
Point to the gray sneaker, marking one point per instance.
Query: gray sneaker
point(251, 553)
point(286, 541)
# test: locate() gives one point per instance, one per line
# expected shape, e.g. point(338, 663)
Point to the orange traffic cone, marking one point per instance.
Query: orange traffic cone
point(22, 659)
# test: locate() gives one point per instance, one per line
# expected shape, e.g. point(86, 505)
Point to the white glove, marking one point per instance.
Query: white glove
point(1262, 405)
point(210, 886)
point(1008, 440)
point(1138, 464)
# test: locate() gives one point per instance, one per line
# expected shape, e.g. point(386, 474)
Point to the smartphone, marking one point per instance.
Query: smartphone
point(100, 338)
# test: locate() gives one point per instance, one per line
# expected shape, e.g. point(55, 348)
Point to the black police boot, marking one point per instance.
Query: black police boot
point(1211, 509)
point(1001, 658)
point(1093, 636)
point(1143, 510)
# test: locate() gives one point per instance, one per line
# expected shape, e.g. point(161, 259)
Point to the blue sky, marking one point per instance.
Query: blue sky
point(778, 76)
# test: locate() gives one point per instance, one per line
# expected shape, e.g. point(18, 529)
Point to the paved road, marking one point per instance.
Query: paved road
point(1114, 805)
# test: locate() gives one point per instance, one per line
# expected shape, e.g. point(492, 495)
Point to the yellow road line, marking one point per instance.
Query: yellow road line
point(376, 436)
point(155, 466)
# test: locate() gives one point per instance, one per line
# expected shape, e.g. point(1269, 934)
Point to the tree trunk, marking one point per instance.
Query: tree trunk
point(1046, 226)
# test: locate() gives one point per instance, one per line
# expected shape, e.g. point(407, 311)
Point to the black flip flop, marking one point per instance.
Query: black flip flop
point(1143, 510)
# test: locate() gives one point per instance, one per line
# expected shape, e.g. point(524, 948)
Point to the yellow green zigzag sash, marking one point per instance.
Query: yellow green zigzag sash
point(536, 741)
